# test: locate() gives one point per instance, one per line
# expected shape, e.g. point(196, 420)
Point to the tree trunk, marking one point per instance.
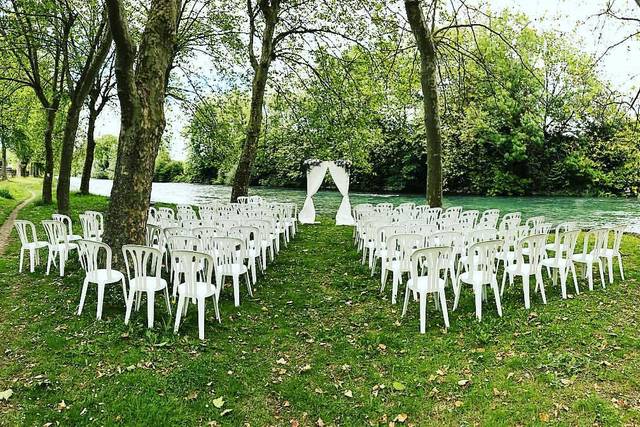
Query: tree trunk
point(47, 181)
point(428, 80)
point(79, 93)
point(242, 176)
point(3, 175)
point(91, 147)
point(141, 93)
point(66, 157)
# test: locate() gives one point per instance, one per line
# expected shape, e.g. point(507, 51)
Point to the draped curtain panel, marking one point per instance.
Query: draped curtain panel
point(341, 179)
point(315, 176)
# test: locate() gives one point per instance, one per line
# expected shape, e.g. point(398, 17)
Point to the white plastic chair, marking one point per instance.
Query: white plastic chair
point(510, 221)
point(562, 261)
point(425, 267)
point(380, 251)
point(90, 228)
point(453, 211)
point(144, 265)
point(251, 238)
point(58, 244)
point(592, 253)
point(488, 219)
point(90, 260)
point(480, 272)
point(29, 242)
point(609, 253)
point(179, 243)
point(532, 267)
point(468, 219)
point(66, 220)
point(228, 257)
point(399, 250)
point(198, 272)
point(99, 218)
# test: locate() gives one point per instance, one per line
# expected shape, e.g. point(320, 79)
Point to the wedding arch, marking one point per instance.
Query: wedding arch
point(316, 171)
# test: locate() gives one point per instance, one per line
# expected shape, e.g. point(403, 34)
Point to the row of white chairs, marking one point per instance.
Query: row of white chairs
point(472, 256)
point(197, 258)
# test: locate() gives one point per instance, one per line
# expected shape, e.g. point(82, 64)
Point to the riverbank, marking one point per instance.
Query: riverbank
point(587, 211)
point(317, 341)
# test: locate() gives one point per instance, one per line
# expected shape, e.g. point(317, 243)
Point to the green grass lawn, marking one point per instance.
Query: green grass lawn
point(19, 188)
point(317, 341)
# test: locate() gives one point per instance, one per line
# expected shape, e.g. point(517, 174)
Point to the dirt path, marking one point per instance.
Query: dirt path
point(5, 229)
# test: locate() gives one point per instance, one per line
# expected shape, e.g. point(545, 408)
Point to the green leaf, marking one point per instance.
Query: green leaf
point(398, 386)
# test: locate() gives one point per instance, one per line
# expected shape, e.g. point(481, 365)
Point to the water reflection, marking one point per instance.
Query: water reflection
point(586, 210)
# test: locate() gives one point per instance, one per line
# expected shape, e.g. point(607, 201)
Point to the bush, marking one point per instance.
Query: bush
point(5, 194)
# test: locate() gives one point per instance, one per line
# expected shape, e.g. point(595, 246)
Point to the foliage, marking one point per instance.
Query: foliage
point(6, 194)
point(528, 116)
point(167, 170)
point(105, 156)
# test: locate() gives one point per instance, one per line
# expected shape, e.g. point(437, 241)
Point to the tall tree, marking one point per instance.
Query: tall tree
point(269, 11)
point(90, 48)
point(301, 26)
point(428, 80)
point(36, 36)
point(100, 95)
point(141, 81)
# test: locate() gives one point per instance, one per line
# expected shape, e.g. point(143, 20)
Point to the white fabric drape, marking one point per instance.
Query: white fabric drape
point(315, 176)
point(341, 179)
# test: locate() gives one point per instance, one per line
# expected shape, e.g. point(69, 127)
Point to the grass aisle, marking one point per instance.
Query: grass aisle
point(316, 342)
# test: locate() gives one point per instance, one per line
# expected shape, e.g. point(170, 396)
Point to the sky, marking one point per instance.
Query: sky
point(577, 18)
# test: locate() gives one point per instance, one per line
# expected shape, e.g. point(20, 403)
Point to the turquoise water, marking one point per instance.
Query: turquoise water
point(586, 210)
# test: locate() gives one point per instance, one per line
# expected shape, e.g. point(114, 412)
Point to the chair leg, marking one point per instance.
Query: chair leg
point(21, 257)
point(540, 284)
point(201, 318)
point(610, 265)
point(217, 309)
point(620, 265)
point(63, 261)
point(394, 288)
point(563, 281)
point(32, 260)
point(496, 295)
point(49, 262)
point(406, 300)
point(601, 268)
point(83, 294)
point(236, 290)
point(443, 305)
point(176, 324)
point(423, 312)
point(100, 300)
point(525, 289)
point(477, 293)
point(166, 299)
point(132, 294)
point(590, 275)
point(249, 289)
point(150, 306)
point(575, 279)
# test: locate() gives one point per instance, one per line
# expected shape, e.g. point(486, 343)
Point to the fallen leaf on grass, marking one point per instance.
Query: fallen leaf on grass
point(458, 403)
point(463, 383)
point(192, 396)
point(218, 402)
point(225, 412)
point(5, 395)
point(348, 393)
point(398, 386)
point(281, 361)
point(401, 418)
point(544, 417)
point(320, 423)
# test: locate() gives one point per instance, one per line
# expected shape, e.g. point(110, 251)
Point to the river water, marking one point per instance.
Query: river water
point(586, 210)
